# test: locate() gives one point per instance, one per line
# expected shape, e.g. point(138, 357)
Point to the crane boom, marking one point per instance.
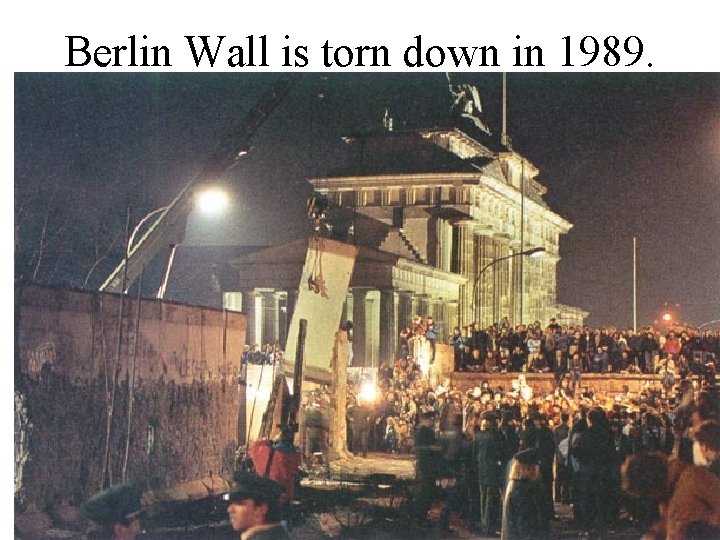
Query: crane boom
point(168, 228)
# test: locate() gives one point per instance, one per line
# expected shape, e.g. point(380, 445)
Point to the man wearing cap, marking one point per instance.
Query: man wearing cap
point(595, 455)
point(489, 454)
point(117, 511)
point(254, 508)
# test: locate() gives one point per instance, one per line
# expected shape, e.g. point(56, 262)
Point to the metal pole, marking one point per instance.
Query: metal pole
point(522, 238)
point(532, 251)
point(107, 466)
point(634, 284)
point(166, 274)
point(131, 380)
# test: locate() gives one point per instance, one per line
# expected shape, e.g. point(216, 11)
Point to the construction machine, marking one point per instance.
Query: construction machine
point(167, 224)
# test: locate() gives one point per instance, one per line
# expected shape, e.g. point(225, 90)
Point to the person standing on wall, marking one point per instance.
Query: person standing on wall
point(431, 332)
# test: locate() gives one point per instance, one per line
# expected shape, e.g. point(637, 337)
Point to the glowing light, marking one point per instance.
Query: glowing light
point(212, 201)
point(667, 317)
point(368, 392)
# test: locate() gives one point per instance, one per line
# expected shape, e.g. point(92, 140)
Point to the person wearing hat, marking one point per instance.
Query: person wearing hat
point(117, 511)
point(489, 455)
point(427, 451)
point(523, 514)
point(254, 507)
point(595, 457)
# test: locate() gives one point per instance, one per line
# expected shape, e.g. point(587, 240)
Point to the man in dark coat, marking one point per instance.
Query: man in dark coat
point(427, 449)
point(563, 477)
point(523, 516)
point(489, 453)
point(595, 455)
point(361, 423)
point(511, 439)
point(453, 450)
point(647, 348)
point(546, 449)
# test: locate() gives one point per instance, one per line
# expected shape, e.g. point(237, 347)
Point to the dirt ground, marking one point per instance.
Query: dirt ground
point(332, 509)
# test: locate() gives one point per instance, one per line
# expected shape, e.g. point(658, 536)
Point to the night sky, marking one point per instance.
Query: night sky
point(622, 155)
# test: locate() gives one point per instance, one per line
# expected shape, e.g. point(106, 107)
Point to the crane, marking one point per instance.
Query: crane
point(167, 228)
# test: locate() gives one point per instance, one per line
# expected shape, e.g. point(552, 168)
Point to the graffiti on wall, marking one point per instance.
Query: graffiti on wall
point(42, 354)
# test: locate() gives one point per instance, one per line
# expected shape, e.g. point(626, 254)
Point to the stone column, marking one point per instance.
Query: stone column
point(347, 307)
point(514, 264)
point(388, 325)
point(423, 305)
point(359, 326)
point(465, 265)
point(502, 290)
point(452, 320)
point(405, 313)
point(372, 330)
point(290, 303)
point(271, 317)
point(486, 284)
point(439, 312)
point(248, 307)
point(446, 246)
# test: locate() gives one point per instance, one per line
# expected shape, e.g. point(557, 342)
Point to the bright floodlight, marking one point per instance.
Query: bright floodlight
point(212, 201)
point(368, 392)
point(667, 316)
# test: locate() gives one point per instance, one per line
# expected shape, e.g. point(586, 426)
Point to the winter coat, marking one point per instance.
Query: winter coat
point(523, 511)
point(593, 450)
point(546, 448)
point(489, 453)
point(511, 439)
point(427, 453)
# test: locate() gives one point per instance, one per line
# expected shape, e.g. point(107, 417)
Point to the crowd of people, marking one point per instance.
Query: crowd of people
point(268, 354)
point(506, 455)
point(500, 459)
point(575, 348)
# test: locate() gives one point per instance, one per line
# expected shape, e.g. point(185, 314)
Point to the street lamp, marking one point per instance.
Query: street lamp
point(533, 252)
point(163, 227)
point(212, 201)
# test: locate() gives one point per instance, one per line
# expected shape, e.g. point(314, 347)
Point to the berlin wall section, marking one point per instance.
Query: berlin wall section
point(175, 381)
